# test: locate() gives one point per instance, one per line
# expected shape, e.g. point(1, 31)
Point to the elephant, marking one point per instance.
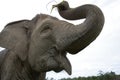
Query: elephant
point(34, 47)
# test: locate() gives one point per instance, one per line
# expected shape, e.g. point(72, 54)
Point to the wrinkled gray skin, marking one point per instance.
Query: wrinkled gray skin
point(36, 46)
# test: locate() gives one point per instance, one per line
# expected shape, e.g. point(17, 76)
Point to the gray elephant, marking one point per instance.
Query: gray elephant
point(36, 46)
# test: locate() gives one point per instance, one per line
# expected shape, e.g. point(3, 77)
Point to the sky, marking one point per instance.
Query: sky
point(101, 55)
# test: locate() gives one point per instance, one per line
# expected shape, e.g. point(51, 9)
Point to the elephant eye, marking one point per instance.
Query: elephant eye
point(46, 28)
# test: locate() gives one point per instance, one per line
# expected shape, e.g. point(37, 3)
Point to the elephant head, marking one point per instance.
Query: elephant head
point(45, 40)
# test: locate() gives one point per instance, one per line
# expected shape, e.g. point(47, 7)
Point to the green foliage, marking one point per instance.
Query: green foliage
point(101, 76)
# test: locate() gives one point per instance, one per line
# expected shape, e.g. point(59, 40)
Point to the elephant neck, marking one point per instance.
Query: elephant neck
point(27, 72)
point(23, 71)
point(32, 74)
point(15, 69)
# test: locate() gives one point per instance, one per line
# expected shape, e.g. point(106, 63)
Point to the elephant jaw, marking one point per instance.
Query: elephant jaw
point(62, 61)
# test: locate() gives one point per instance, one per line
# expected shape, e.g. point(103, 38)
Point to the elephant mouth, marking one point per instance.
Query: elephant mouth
point(62, 61)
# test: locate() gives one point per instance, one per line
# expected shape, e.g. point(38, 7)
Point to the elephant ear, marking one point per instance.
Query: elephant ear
point(14, 37)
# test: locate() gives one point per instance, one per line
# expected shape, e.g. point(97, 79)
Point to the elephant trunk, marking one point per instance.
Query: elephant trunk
point(86, 32)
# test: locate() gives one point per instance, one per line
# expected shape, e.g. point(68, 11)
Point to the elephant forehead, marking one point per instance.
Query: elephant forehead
point(49, 21)
point(44, 16)
point(52, 21)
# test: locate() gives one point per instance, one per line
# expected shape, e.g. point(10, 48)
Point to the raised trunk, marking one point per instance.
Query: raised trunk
point(86, 32)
